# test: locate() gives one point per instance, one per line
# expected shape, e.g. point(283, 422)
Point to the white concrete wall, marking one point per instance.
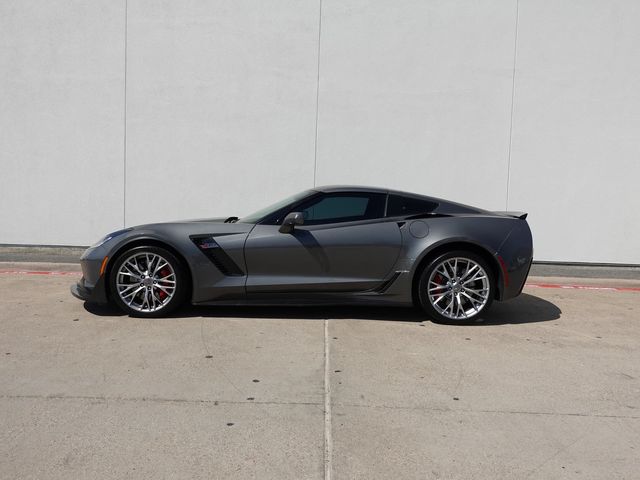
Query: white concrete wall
point(221, 105)
point(417, 96)
point(575, 158)
point(117, 113)
point(61, 120)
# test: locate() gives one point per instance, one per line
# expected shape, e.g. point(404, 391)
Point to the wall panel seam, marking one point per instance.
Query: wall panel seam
point(124, 153)
point(513, 91)
point(315, 147)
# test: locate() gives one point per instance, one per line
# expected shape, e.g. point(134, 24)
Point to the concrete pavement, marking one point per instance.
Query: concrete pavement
point(548, 388)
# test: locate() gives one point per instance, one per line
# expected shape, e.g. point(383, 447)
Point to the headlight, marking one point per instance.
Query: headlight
point(105, 239)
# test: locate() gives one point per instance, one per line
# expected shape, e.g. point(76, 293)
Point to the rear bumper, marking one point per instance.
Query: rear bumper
point(515, 257)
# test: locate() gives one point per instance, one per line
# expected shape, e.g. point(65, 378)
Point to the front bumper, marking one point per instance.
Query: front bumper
point(81, 292)
point(92, 286)
point(95, 294)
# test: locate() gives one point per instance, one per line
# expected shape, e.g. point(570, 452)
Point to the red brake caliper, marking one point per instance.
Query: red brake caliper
point(163, 273)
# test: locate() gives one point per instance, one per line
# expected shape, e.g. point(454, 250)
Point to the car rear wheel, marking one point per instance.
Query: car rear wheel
point(148, 281)
point(456, 287)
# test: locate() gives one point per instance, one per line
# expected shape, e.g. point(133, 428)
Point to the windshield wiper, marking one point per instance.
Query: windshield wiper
point(231, 220)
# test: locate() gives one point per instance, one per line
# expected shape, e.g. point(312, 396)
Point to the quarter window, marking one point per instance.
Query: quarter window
point(403, 206)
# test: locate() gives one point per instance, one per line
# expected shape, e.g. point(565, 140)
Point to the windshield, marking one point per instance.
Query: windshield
point(265, 212)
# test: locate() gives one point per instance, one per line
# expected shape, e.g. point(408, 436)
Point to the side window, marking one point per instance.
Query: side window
point(343, 207)
point(403, 206)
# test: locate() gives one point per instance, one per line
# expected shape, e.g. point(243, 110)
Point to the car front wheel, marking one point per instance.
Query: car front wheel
point(148, 281)
point(456, 287)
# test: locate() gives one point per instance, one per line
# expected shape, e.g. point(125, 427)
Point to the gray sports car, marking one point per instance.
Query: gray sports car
point(328, 245)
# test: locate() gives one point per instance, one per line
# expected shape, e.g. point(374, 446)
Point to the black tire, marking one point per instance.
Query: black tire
point(470, 311)
point(176, 271)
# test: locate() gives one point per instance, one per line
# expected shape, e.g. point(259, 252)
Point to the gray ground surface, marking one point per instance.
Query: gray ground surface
point(17, 253)
point(548, 388)
point(585, 271)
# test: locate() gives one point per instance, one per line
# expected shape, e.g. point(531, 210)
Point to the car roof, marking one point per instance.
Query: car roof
point(362, 188)
point(349, 188)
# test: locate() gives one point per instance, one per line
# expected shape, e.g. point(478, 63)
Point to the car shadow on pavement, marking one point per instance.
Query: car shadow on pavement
point(523, 309)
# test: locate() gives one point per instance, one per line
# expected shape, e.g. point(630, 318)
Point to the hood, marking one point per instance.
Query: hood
point(191, 227)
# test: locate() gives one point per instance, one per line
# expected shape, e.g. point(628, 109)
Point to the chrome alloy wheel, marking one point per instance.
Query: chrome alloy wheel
point(146, 282)
point(458, 288)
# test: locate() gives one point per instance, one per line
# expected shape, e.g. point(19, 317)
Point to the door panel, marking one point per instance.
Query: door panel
point(342, 257)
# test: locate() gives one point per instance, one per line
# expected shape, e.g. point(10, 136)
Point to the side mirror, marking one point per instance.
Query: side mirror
point(290, 221)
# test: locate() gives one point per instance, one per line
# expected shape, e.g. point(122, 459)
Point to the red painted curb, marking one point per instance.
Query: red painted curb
point(583, 287)
point(43, 272)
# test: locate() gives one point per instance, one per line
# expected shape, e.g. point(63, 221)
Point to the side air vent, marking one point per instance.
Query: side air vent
point(387, 283)
point(214, 252)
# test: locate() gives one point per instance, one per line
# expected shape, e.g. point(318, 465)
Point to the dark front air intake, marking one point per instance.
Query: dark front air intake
point(214, 252)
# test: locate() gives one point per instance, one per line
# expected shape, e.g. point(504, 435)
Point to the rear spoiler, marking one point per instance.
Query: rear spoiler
point(520, 215)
